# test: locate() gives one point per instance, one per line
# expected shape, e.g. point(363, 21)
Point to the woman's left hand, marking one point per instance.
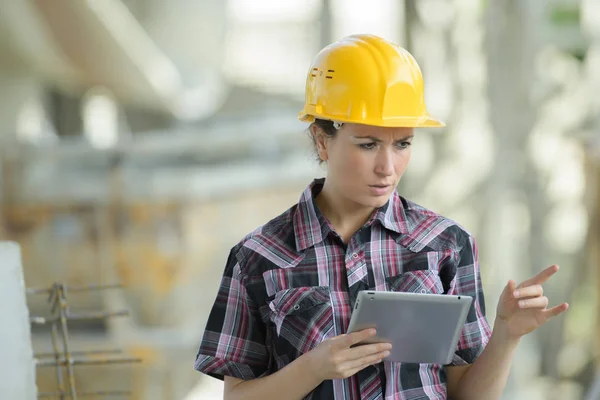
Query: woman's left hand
point(523, 308)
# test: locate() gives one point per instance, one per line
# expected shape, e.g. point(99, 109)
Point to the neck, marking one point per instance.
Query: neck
point(346, 217)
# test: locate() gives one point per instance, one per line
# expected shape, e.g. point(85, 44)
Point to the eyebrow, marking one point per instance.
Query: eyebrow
point(373, 138)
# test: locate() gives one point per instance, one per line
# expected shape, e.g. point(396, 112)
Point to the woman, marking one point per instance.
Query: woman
point(277, 328)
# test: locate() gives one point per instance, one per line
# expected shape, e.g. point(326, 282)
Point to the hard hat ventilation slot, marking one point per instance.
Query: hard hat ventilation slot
point(330, 70)
point(328, 77)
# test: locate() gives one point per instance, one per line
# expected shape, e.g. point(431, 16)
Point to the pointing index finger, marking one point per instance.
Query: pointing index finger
point(541, 277)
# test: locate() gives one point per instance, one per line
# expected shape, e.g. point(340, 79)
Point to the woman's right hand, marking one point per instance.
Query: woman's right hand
point(335, 358)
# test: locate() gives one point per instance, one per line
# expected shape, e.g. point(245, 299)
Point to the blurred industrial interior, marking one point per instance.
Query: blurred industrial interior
point(141, 139)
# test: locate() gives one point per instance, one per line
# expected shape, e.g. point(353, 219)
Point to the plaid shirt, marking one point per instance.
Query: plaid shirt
point(292, 283)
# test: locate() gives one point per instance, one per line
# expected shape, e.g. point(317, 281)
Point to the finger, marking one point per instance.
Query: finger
point(529, 291)
point(537, 302)
point(541, 277)
point(556, 310)
point(366, 350)
point(509, 289)
point(351, 372)
point(356, 337)
point(362, 362)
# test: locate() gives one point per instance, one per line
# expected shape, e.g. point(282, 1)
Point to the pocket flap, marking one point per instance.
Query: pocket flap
point(420, 281)
point(298, 300)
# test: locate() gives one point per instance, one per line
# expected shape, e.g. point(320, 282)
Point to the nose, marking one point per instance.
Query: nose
point(384, 162)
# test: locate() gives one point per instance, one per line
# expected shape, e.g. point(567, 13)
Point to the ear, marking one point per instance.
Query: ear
point(321, 141)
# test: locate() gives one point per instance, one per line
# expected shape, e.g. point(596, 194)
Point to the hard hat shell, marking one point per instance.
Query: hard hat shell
point(365, 79)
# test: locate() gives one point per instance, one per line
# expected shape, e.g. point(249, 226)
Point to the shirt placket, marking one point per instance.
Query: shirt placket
point(356, 269)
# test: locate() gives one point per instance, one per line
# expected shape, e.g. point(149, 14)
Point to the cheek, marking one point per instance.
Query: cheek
point(402, 161)
point(355, 164)
point(349, 165)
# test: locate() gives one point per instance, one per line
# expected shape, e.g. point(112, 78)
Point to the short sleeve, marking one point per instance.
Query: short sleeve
point(467, 282)
point(233, 342)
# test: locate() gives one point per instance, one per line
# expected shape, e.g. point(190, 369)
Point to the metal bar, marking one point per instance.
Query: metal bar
point(62, 357)
point(88, 394)
point(59, 377)
point(80, 353)
point(96, 315)
point(85, 316)
point(75, 288)
point(88, 288)
point(63, 362)
point(65, 336)
point(54, 300)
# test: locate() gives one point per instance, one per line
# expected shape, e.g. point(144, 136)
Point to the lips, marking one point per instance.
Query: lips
point(380, 190)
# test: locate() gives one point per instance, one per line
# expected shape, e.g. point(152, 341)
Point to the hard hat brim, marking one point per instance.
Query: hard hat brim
point(398, 122)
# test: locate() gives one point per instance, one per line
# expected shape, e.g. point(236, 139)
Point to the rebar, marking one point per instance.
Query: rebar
point(64, 357)
point(79, 316)
point(73, 289)
point(87, 394)
point(80, 353)
point(105, 361)
point(59, 377)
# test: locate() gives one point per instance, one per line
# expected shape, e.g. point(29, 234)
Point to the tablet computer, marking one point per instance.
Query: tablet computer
point(422, 328)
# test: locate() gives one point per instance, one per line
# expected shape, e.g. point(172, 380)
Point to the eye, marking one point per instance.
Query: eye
point(404, 145)
point(368, 146)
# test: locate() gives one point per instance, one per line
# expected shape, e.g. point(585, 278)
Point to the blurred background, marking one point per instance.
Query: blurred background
point(141, 139)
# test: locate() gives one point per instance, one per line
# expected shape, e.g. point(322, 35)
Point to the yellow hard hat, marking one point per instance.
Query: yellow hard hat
point(365, 79)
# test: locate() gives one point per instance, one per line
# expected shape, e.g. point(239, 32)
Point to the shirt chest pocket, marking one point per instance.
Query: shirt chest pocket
point(419, 281)
point(302, 317)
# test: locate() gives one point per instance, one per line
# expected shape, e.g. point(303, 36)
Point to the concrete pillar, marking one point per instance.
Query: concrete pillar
point(17, 371)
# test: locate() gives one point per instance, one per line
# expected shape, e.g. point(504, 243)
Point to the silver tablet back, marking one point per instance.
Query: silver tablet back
point(423, 328)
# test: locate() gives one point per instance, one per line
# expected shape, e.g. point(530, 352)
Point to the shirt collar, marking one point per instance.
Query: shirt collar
point(307, 226)
point(311, 227)
point(393, 214)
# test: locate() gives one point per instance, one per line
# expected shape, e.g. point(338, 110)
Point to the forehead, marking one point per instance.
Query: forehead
point(383, 133)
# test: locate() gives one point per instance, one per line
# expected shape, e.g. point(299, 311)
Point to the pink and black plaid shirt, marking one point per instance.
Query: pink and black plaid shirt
point(292, 283)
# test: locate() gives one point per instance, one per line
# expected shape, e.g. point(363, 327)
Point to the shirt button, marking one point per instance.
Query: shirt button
point(296, 307)
point(423, 291)
point(354, 255)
